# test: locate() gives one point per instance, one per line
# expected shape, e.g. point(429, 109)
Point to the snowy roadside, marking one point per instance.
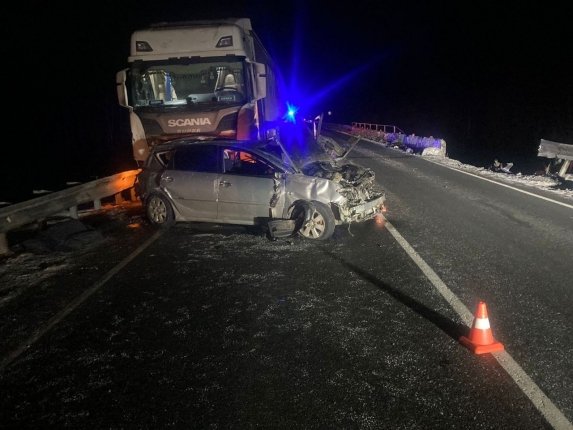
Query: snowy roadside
point(541, 182)
point(546, 183)
point(41, 254)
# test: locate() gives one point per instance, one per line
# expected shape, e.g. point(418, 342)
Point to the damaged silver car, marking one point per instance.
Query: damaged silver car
point(254, 183)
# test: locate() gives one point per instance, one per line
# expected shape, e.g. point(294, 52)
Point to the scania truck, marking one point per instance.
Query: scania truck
point(210, 79)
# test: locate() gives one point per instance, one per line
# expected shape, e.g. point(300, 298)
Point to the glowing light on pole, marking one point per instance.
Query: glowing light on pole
point(290, 115)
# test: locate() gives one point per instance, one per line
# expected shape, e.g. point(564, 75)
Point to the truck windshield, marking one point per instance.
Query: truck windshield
point(156, 84)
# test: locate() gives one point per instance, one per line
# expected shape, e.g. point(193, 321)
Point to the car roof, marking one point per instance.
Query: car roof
point(269, 148)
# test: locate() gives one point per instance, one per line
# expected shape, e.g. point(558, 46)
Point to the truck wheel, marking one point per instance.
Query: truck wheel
point(321, 224)
point(159, 211)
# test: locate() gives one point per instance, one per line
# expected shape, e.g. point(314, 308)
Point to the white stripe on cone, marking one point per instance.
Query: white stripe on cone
point(481, 323)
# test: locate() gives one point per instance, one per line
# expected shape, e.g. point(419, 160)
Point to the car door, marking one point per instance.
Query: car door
point(191, 179)
point(246, 187)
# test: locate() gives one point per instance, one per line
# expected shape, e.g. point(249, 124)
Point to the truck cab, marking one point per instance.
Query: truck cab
point(209, 79)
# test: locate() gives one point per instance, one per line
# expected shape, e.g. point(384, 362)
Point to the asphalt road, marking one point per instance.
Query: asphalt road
point(206, 326)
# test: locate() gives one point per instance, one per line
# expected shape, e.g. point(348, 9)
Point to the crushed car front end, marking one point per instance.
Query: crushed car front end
point(350, 190)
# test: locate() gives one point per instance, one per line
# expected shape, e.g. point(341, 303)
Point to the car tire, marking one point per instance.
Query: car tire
point(321, 224)
point(159, 211)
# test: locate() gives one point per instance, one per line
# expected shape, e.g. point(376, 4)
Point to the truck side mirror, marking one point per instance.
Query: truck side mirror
point(120, 79)
point(260, 80)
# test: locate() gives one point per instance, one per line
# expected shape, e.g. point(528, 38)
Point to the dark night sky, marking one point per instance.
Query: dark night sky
point(490, 79)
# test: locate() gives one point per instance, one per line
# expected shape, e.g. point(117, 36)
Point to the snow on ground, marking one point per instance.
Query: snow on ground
point(34, 260)
point(546, 183)
point(541, 182)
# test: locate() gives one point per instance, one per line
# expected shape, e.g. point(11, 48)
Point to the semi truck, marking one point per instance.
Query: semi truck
point(209, 79)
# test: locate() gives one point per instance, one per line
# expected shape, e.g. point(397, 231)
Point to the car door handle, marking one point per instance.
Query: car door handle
point(167, 179)
point(225, 184)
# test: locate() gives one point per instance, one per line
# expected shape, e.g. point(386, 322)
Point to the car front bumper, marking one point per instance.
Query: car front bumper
point(361, 212)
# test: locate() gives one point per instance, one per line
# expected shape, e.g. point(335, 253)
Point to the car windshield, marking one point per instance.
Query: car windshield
point(167, 84)
point(301, 147)
point(273, 151)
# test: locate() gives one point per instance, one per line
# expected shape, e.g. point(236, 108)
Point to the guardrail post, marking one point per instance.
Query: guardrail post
point(97, 204)
point(118, 199)
point(73, 212)
point(4, 248)
point(564, 168)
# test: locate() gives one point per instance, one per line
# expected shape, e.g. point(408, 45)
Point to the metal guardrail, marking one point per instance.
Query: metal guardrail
point(560, 151)
point(385, 128)
point(31, 211)
point(392, 135)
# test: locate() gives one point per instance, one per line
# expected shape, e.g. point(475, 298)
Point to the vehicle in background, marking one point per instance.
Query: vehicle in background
point(254, 183)
point(198, 78)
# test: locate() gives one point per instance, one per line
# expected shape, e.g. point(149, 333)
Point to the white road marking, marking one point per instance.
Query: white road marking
point(6, 361)
point(502, 185)
point(541, 402)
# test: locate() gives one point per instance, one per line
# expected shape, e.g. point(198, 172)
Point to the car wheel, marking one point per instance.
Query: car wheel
point(159, 211)
point(321, 224)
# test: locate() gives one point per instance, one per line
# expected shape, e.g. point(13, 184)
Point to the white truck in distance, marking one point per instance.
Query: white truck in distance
point(197, 78)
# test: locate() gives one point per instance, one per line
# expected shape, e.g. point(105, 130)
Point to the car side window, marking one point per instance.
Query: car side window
point(201, 158)
point(244, 163)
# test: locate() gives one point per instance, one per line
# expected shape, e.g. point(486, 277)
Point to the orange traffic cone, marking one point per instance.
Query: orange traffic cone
point(481, 339)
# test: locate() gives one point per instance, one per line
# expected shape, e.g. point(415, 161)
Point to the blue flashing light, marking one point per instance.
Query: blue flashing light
point(290, 116)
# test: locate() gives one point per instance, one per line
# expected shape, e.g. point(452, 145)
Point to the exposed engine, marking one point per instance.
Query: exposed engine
point(357, 183)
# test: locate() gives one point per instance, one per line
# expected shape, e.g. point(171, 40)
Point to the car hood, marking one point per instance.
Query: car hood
point(346, 174)
point(324, 158)
point(357, 184)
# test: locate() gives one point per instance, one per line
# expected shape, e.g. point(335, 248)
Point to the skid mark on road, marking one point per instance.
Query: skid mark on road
point(541, 402)
point(38, 334)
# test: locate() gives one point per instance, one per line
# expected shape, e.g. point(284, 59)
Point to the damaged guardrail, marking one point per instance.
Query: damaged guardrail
point(394, 136)
point(560, 151)
point(31, 211)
